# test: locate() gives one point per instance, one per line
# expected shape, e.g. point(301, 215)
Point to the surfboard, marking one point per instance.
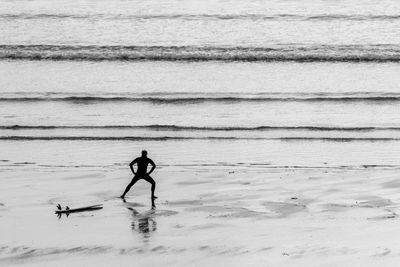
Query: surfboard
point(69, 210)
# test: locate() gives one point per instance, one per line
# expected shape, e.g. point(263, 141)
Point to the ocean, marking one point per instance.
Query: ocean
point(127, 69)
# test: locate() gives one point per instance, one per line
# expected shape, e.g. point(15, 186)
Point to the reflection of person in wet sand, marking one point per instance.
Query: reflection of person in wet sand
point(142, 223)
point(141, 173)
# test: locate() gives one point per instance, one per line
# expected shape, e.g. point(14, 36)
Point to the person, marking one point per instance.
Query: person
point(141, 173)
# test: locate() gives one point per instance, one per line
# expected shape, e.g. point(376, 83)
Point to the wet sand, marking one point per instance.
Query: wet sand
point(205, 216)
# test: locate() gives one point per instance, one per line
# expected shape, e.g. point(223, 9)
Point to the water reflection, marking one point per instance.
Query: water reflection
point(143, 223)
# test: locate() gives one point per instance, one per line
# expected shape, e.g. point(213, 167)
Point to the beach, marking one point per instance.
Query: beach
point(207, 213)
point(274, 127)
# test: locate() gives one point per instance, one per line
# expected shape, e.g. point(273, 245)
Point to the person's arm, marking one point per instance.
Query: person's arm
point(131, 166)
point(153, 166)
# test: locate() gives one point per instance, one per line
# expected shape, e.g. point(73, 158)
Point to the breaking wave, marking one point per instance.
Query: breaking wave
point(205, 99)
point(295, 53)
point(169, 138)
point(157, 127)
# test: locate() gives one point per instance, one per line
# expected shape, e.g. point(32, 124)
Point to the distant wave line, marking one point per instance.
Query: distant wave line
point(196, 100)
point(181, 16)
point(170, 138)
point(292, 53)
point(226, 164)
point(199, 128)
point(220, 164)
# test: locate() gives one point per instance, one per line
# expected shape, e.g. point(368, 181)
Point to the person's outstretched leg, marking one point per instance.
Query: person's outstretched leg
point(153, 188)
point(134, 180)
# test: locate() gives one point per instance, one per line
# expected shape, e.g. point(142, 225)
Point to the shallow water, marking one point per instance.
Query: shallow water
point(117, 100)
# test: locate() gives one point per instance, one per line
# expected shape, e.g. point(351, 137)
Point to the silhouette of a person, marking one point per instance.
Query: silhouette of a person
point(141, 173)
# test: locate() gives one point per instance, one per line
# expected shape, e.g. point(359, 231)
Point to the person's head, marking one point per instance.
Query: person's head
point(144, 153)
